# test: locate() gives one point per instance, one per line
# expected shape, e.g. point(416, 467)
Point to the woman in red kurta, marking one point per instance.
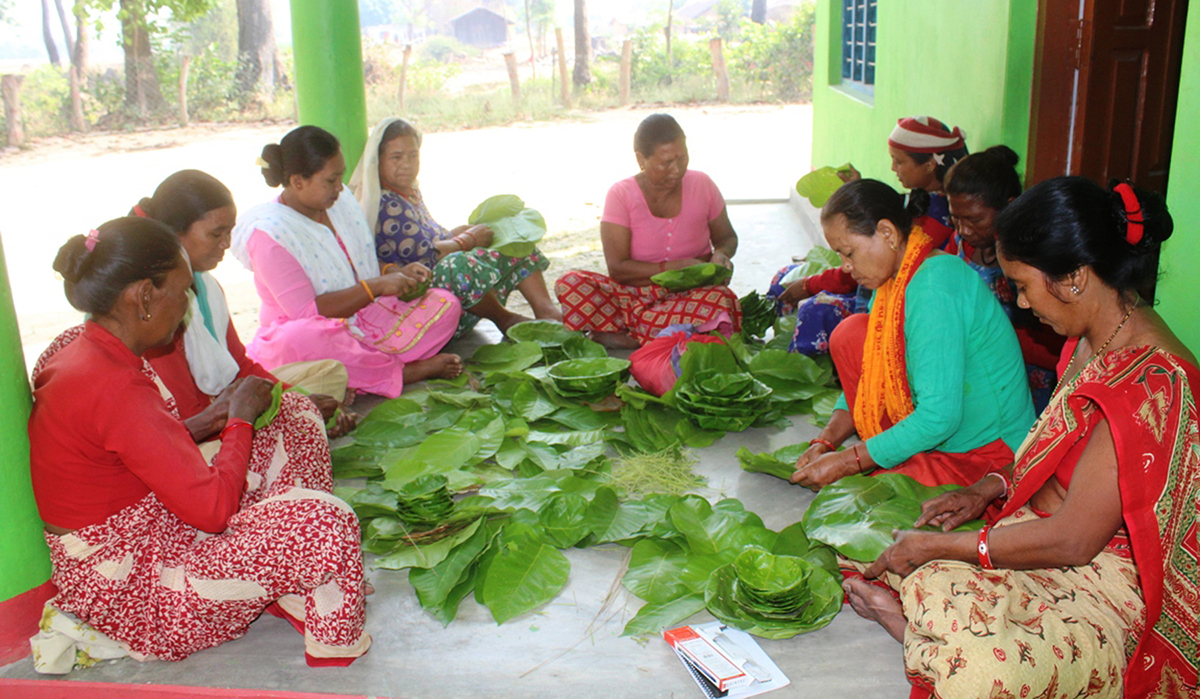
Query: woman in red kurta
point(151, 544)
point(1087, 582)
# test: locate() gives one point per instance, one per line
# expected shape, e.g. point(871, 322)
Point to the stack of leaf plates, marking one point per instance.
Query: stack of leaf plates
point(591, 378)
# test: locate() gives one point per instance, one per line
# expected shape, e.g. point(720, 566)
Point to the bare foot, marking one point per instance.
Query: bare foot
point(510, 320)
point(368, 588)
point(441, 366)
point(616, 340)
point(878, 605)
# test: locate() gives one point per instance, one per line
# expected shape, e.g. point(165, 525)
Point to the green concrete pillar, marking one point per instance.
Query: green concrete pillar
point(330, 92)
point(24, 559)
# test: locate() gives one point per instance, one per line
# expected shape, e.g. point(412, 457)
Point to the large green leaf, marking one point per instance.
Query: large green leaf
point(506, 357)
point(791, 375)
point(449, 449)
point(820, 184)
point(780, 463)
point(712, 529)
point(654, 570)
point(564, 519)
point(703, 274)
point(434, 584)
point(524, 575)
point(856, 515)
point(574, 438)
point(653, 618)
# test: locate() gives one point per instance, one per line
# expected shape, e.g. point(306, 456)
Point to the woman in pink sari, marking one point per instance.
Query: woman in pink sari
point(1087, 582)
point(324, 294)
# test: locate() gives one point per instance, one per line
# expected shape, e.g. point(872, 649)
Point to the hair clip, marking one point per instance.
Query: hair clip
point(139, 211)
point(1134, 223)
point(262, 163)
point(90, 240)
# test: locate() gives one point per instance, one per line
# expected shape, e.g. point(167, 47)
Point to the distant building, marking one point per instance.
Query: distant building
point(481, 27)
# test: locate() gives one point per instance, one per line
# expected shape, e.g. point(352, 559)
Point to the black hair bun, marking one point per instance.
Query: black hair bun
point(272, 155)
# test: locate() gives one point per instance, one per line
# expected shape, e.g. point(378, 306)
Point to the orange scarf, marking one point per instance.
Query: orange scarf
point(883, 388)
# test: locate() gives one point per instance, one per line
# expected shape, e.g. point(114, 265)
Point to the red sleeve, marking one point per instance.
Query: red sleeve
point(246, 365)
point(161, 453)
point(833, 280)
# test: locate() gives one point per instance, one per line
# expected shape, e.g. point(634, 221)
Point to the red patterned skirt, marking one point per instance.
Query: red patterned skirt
point(167, 590)
point(592, 301)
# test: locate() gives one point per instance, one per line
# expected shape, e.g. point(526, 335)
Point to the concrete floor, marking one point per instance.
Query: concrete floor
point(572, 647)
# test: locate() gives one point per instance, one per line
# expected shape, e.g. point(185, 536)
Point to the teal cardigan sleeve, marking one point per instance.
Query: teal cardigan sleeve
point(935, 335)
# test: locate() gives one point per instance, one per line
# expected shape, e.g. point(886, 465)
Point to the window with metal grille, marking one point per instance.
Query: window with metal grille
point(858, 42)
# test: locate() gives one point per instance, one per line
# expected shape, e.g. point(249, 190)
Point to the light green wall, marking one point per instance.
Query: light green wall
point(966, 63)
point(24, 558)
point(1181, 254)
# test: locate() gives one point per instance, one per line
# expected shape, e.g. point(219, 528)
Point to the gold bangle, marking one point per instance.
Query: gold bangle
point(389, 266)
point(367, 289)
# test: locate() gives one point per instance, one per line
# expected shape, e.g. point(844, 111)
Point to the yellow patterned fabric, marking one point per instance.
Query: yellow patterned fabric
point(883, 390)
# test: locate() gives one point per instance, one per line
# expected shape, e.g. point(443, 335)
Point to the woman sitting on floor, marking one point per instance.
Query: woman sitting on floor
point(323, 293)
point(922, 150)
point(1087, 582)
point(153, 546)
point(978, 187)
point(207, 358)
point(933, 378)
point(385, 182)
point(664, 217)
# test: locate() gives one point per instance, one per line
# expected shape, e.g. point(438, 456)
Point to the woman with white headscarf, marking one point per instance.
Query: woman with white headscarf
point(385, 184)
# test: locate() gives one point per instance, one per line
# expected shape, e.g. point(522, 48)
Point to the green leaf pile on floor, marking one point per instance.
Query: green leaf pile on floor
point(543, 458)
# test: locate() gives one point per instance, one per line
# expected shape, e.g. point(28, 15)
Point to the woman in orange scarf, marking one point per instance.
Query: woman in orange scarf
point(933, 378)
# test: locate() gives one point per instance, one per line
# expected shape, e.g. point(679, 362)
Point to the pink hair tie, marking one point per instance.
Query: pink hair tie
point(93, 237)
point(139, 211)
point(1134, 228)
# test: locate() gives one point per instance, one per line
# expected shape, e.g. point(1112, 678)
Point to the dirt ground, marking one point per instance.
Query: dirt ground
point(69, 185)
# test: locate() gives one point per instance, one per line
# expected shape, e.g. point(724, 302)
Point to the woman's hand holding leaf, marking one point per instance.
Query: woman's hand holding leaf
point(814, 450)
point(251, 397)
point(720, 257)
point(957, 507)
point(911, 551)
point(796, 292)
point(482, 234)
point(825, 469)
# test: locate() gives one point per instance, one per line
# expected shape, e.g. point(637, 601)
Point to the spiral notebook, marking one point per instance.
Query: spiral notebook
point(751, 656)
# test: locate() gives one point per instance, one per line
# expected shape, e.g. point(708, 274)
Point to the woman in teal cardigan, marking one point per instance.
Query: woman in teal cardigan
point(933, 377)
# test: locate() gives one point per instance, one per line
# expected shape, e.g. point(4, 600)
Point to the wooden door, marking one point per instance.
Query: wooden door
point(1106, 83)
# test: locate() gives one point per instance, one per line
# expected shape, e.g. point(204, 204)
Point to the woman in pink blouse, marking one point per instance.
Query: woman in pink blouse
point(664, 217)
point(323, 292)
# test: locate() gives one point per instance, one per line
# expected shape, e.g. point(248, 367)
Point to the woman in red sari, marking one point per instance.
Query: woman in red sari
point(1087, 582)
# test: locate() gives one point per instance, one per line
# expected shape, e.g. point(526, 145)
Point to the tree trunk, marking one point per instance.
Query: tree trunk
point(77, 122)
point(716, 50)
point(66, 27)
point(10, 91)
point(142, 91)
point(404, 72)
point(562, 66)
point(257, 67)
point(667, 31)
point(80, 56)
point(183, 80)
point(583, 46)
point(514, 81)
point(529, 34)
point(626, 71)
point(758, 12)
point(47, 37)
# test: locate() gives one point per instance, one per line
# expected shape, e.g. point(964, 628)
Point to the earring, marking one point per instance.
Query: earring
point(145, 316)
point(1074, 290)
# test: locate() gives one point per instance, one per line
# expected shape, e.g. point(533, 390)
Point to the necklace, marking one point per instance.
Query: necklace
point(1098, 352)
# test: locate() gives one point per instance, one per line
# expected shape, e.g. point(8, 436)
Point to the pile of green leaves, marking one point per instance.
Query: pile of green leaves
point(551, 335)
point(758, 315)
point(773, 596)
point(684, 278)
point(515, 229)
point(675, 567)
point(857, 514)
point(533, 474)
point(589, 378)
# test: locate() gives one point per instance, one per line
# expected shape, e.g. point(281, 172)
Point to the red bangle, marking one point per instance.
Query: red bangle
point(857, 457)
point(823, 442)
point(233, 424)
point(985, 555)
